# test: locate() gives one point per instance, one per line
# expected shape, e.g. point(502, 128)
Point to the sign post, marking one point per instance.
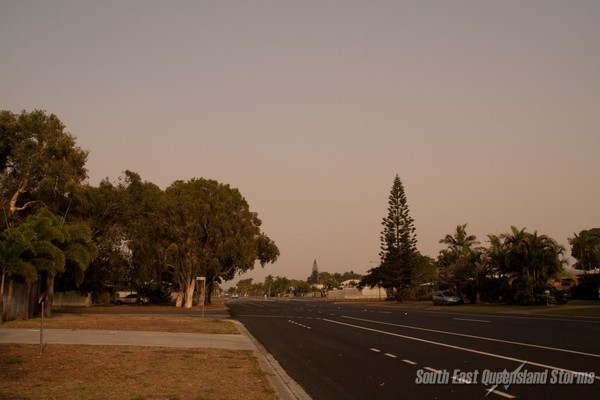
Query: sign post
point(202, 295)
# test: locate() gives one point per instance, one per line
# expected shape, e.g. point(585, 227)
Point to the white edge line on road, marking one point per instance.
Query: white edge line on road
point(451, 346)
point(469, 319)
point(475, 337)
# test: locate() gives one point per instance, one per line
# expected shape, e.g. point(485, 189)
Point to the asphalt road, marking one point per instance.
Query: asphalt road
point(346, 351)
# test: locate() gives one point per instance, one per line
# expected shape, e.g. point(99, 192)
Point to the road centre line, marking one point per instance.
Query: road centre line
point(390, 355)
point(450, 346)
point(375, 350)
point(475, 337)
point(469, 319)
point(409, 362)
point(437, 371)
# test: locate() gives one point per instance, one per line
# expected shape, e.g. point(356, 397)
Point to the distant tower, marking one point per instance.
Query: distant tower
point(314, 276)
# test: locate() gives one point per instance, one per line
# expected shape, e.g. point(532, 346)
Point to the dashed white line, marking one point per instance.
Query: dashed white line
point(469, 336)
point(470, 320)
point(391, 355)
point(375, 350)
point(450, 346)
point(301, 325)
point(409, 362)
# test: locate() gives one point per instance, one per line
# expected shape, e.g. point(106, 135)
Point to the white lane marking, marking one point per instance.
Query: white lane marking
point(508, 396)
point(469, 319)
point(375, 350)
point(476, 337)
point(301, 325)
point(450, 346)
point(390, 355)
point(432, 369)
point(409, 362)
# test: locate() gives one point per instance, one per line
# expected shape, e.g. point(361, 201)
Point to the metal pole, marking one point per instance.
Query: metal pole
point(42, 330)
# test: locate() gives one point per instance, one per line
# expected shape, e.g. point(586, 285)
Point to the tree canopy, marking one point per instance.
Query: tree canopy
point(459, 262)
point(39, 162)
point(585, 248)
point(211, 232)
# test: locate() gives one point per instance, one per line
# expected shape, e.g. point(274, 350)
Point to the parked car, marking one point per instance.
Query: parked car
point(132, 298)
point(560, 296)
point(445, 297)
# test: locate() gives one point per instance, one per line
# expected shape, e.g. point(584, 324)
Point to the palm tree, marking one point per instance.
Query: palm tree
point(460, 261)
point(531, 260)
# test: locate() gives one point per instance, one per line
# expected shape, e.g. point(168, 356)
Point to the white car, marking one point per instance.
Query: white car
point(445, 297)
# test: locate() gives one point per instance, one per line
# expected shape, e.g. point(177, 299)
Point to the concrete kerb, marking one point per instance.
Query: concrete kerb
point(286, 387)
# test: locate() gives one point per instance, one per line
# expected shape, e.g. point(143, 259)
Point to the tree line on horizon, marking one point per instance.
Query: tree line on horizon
point(60, 233)
point(516, 267)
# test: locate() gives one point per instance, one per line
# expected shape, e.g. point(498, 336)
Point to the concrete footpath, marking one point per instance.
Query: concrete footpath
point(285, 386)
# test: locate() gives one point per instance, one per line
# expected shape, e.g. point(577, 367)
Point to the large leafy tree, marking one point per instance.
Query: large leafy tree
point(211, 232)
point(398, 246)
point(585, 248)
point(144, 226)
point(104, 208)
point(39, 163)
point(459, 262)
point(128, 224)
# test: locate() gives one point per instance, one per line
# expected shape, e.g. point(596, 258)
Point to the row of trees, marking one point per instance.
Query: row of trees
point(61, 232)
point(281, 286)
point(516, 267)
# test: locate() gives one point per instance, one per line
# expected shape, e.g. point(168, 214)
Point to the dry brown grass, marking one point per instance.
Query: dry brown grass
point(128, 322)
point(130, 372)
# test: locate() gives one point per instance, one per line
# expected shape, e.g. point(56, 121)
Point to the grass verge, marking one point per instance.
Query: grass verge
point(130, 372)
point(124, 372)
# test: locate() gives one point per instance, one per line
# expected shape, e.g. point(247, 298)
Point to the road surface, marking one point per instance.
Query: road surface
point(349, 351)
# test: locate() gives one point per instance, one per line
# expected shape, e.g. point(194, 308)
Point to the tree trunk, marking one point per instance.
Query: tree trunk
point(189, 294)
point(49, 295)
point(207, 295)
point(179, 301)
point(2, 298)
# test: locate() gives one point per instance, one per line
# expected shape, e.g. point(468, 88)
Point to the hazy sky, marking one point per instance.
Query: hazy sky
point(489, 111)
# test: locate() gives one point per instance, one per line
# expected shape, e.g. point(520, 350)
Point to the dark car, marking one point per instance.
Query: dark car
point(445, 297)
